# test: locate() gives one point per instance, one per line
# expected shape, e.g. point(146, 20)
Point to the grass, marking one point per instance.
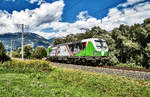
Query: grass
point(39, 79)
point(130, 66)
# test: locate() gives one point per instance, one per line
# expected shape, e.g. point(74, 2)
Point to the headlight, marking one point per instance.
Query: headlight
point(102, 52)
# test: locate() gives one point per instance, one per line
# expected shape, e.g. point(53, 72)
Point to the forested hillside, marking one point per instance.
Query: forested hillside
point(29, 38)
point(127, 44)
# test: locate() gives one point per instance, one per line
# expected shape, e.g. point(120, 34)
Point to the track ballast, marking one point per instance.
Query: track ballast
point(142, 74)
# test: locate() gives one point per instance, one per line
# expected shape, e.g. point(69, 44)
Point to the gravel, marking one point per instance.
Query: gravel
point(115, 72)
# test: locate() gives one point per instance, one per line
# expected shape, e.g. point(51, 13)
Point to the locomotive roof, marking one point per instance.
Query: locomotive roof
point(68, 43)
point(91, 39)
point(84, 40)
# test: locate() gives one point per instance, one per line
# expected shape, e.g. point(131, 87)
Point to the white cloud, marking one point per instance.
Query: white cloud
point(114, 18)
point(37, 1)
point(127, 16)
point(83, 15)
point(130, 2)
point(38, 18)
point(49, 16)
point(33, 1)
point(84, 21)
point(10, 0)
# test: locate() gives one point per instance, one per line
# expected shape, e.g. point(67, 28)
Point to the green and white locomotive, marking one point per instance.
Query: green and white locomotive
point(85, 51)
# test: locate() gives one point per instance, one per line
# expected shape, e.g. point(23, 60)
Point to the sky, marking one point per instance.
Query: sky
point(58, 18)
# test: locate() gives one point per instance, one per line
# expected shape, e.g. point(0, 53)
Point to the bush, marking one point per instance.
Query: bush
point(27, 51)
point(3, 56)
point(26, 66)
point(39, 53)
point(130, 65)
point(127, 44)
point(113, 60)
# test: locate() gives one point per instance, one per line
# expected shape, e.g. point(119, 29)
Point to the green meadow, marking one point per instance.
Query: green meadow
point(38, 78)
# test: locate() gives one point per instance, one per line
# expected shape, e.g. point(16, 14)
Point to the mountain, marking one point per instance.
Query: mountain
point(29, 38)
point(51, 40)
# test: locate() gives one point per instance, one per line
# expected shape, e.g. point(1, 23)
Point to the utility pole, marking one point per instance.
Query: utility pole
point(22, 50)
point(22, 42)
point(11, 49)
point(32, 44)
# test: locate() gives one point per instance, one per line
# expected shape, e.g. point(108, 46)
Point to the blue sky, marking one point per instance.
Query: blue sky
point(96, 8)
point(56, 18)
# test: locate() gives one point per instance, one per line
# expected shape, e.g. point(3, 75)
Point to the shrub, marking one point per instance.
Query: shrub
point(113, 59)
point(27, 51)
point(26, 66)
point(39, 53)
point(3, 56)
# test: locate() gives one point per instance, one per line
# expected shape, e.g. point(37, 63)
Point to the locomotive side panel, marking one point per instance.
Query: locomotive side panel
point(88, 51)
point(87, 47)
point(52, 52)
point(63, 51)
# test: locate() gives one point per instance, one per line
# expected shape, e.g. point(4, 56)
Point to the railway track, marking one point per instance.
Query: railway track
point(142, 74)
point(125, 68)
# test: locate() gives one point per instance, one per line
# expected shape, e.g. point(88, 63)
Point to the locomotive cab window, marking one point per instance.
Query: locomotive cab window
point(76, 47)
point(101, 44)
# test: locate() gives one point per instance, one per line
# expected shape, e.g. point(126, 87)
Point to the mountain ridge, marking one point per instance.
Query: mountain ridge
point(29, 38)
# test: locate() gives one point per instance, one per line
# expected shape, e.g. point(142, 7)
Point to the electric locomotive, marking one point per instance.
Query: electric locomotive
point(82, 52)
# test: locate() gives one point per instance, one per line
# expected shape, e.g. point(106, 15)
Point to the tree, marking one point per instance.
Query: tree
point(3, 56)
point(17, 53)
point(57, 41)
point(147, 55)
point(147, 21)
point(27, 51)
point(139, 34)
point(39, 53)
point(127, 44)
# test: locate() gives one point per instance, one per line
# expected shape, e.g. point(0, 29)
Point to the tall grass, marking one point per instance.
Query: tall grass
point(102, 85)
point(25, 66)
point(38, 78)
point(130, 65)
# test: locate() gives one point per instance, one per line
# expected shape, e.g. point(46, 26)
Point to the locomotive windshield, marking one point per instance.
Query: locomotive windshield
point(101, 44)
